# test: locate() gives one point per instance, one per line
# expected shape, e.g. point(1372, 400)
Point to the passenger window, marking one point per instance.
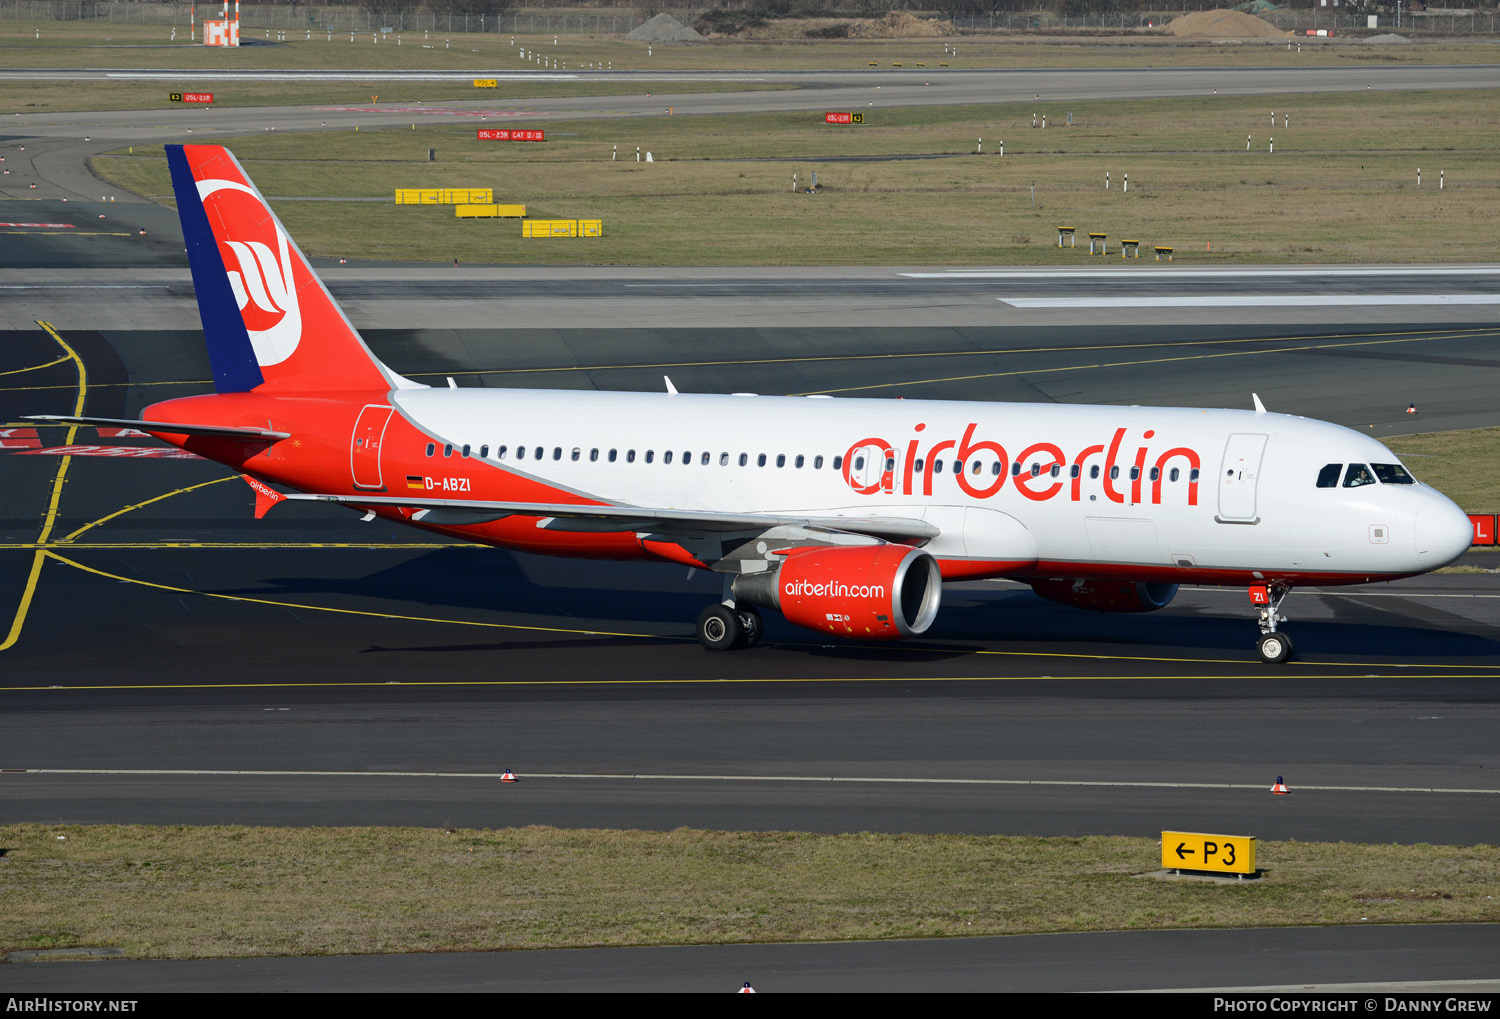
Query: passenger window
point(1075, 471)
point(1357, 475)
point(995, 468)
point(593, 456)
point(431, 448)
point(1156, 474)
point(630, 456)
point(1094, 472)
point(500, 452)
point(780, 459)
point(1114, 472)
point(798, 462)
point(448, 449)
point(1393, 474)
point(817, 463)
point(859, 463)
point(666, 457)
point(465, 450)
point(520, 452)
point(838, 463)
point(1015, 469)
point(1174, 475)
point(687, 458)
point(760, 460)
point(1056, 470)
point(612, 454)
point(723, 459)
point(536, 454)
point(576, 454)
point(937, 466)
point(744, 459)
point(557, 452)
point(1135, 474)
point(484, 451)
point(1036, 469)
point(1193, 475)
point(651, 455)
point(1328, 477)
point(890, 463)
point(916, 466)
point(958, 467)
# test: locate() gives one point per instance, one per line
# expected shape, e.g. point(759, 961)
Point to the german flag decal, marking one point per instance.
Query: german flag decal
point(415, 481)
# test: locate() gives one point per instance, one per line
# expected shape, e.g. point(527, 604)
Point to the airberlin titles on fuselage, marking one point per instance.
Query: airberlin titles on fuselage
point(1036, 471)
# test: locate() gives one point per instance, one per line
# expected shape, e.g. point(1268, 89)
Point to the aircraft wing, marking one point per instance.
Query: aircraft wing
point(173, 428)
point(571, 516)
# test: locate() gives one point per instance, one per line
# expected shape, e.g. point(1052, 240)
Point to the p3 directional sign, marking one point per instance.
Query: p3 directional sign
point(1212, 854)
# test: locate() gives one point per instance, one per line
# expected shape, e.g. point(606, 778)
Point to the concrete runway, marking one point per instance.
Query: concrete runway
point(396, 676)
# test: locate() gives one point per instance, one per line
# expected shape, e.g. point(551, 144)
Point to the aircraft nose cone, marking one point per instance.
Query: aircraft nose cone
point(1443, 533)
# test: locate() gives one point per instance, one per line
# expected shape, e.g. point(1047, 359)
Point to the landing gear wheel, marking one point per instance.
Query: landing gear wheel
point(750, 623)
point(720, 629)
point(1274, 648)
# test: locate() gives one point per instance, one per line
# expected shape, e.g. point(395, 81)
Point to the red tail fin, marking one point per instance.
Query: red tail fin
point(269, 322)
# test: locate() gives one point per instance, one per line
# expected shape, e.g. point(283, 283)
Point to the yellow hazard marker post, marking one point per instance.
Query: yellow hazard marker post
point(1208, 854)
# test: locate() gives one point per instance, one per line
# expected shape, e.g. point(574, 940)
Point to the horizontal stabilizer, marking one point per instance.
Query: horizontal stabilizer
point(168, 427)
point(457, 512)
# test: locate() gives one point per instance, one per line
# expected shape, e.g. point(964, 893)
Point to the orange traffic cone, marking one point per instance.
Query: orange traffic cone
point(509, 776)
point(1279, 789)
point(1411, 408)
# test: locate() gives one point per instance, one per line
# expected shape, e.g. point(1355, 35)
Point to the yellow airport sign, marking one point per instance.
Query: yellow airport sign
point(486, 83)
point(1214, 854)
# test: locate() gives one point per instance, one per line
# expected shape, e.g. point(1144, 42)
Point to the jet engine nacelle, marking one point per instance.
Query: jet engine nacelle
point(1107, 595)
point(869, 592)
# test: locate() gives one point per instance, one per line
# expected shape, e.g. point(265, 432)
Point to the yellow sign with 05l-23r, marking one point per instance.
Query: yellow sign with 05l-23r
point(1216, 854)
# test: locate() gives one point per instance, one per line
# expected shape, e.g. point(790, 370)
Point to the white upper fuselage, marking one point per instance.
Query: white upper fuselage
point(1213, 490)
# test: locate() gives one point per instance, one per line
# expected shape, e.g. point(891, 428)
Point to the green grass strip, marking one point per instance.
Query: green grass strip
point(178, 892)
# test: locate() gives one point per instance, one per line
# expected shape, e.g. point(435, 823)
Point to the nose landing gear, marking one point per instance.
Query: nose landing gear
point(1273, 646)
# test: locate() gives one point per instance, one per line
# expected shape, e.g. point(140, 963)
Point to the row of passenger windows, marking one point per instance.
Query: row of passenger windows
point(1359, 474)
point(797, 461)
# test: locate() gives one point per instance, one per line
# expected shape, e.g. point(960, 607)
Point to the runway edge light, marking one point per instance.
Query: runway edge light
point(509, 776)
point(1280, 789)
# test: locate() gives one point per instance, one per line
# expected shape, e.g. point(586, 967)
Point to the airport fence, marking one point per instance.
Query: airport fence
point(618, 22)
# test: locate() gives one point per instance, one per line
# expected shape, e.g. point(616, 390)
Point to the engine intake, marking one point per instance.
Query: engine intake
point(871, 592)
point(1107, 595)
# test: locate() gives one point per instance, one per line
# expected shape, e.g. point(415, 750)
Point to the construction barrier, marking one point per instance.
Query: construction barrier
point(445, 196)
point(490, 211)
point(563, 228)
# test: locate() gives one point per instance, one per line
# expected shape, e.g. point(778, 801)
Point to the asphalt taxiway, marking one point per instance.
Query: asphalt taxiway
point(168, 658)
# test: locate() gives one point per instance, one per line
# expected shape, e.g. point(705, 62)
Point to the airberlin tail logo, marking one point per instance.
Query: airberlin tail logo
point(259, 268)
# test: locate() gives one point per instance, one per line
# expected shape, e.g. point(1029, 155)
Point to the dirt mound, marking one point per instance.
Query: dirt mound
point(1223, 24)
point(1389, 39)
point(664, 28)
point(899, 25)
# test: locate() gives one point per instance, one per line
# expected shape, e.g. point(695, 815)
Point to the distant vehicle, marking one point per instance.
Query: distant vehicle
point(845, 515)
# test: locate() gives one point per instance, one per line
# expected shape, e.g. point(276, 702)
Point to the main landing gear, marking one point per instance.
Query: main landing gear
point(722, 628)
point(1273, 646)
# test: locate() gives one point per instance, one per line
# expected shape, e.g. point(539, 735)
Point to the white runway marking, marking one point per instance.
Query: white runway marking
point(1203, 273)
point(588, 777)
point(1250, 301)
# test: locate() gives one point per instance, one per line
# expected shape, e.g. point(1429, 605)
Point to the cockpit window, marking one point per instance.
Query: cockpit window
point(1328, 477)
point(1358, 474)
point(1393, 474)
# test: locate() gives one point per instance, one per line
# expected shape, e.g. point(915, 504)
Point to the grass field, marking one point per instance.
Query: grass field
point(907, 189)
point(1458, 464)
point(178, 892)
point(62, 44)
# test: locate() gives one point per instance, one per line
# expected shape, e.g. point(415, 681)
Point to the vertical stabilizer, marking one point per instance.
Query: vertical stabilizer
point(268, 320)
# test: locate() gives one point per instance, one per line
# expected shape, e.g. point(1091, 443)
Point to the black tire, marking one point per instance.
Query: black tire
point(1274, 648)
point(751, 624)
point(719, 628)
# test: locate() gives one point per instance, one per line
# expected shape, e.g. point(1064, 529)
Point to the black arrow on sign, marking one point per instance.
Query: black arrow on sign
point(1180, 853)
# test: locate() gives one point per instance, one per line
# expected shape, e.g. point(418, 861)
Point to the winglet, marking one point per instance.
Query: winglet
point(1260, 408)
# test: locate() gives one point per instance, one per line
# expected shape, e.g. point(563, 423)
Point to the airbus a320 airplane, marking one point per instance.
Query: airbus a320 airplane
point(844, 515)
